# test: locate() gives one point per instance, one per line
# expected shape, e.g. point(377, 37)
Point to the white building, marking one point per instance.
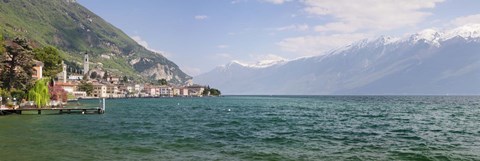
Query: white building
point(99, 90)
point(75, 77)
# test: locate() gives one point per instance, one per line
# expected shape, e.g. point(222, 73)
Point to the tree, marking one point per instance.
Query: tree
point(39, 93)
point(215, 92)
point(162, 82)
point(17, 64)
point(105, 75)
point(211, 91)
point(57, 93)
point(125, 79)
point(2, 49)
point(206, 91)
point(87, 87)
point(93, 75)
point(51, 59)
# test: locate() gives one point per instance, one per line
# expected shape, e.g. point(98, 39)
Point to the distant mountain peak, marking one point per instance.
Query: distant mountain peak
point(466, 31)
point(428, 62)
point(434, 37)
point(258, 64)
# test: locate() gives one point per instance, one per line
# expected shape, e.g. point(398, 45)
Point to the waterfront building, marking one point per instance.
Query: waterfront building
point(70, 87)
point(195, 90)
point(166, 91)
point(99, 90)
point(112, 91)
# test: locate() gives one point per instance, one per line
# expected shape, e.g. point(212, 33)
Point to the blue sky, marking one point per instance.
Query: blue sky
point(199, 35)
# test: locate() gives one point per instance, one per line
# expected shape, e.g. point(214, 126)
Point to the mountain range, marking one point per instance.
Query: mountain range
point(74, 30)
point(429, 62)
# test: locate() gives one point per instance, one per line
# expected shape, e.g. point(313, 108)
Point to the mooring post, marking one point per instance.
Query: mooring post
point(103, 105)
point(39, 112)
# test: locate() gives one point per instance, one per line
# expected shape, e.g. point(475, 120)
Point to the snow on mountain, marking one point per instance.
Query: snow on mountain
point(467, 31)
point(433, 36)
point(428, 62)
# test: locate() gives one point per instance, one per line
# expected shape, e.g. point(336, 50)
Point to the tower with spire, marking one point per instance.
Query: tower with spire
point(64, 72)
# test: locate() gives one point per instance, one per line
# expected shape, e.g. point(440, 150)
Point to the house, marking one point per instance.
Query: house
point(166, 91)
point(37, 70)
point(75, 77)
point(152, 91)
point(183, 92)
point(176, 91)
point(138, 88)
point(129, 89)
point(79, 94)
point(68, 86)
point(99, 90)
point(195, 90)
point(112, 91)
point(113, 79)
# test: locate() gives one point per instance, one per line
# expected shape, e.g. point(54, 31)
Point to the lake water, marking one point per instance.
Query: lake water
point(253, 128)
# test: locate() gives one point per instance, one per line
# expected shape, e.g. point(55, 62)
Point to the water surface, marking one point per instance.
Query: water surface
point(253, 128)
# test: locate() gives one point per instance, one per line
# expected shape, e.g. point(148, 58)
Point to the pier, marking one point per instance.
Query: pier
point(84, 110)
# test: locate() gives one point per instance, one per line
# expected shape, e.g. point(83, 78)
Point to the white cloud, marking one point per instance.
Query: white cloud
point(222, 46)
point(350, 16)
point(301, 27)
point(201, 17)
point(467, 20)
point(144, 43)
point(317, 45)
point(277, 1)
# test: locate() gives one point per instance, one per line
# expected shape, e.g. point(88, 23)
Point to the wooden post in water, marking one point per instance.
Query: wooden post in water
point(101, 109)
point(39, 112)
point(103, 105)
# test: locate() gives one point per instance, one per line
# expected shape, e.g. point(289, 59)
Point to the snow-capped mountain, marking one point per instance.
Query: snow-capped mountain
point(428, 62)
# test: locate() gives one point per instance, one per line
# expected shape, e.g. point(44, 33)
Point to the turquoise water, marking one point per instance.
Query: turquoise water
point(253, 128)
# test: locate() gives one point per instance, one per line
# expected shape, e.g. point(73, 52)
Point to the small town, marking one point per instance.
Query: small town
point(38, 78)
point(107, 86)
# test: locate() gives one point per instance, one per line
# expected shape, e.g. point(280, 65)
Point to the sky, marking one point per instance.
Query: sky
point(199, 35)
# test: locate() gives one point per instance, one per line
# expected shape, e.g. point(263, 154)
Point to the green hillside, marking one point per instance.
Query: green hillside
point(75, 30)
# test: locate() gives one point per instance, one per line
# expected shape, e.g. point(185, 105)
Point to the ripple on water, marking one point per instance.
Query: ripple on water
point(255, 128)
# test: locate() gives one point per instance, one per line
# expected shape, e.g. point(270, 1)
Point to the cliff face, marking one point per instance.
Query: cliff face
point(74, 29)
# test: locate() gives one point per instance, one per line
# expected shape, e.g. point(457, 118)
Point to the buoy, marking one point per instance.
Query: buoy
point(178, 104)
point(229, 110)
